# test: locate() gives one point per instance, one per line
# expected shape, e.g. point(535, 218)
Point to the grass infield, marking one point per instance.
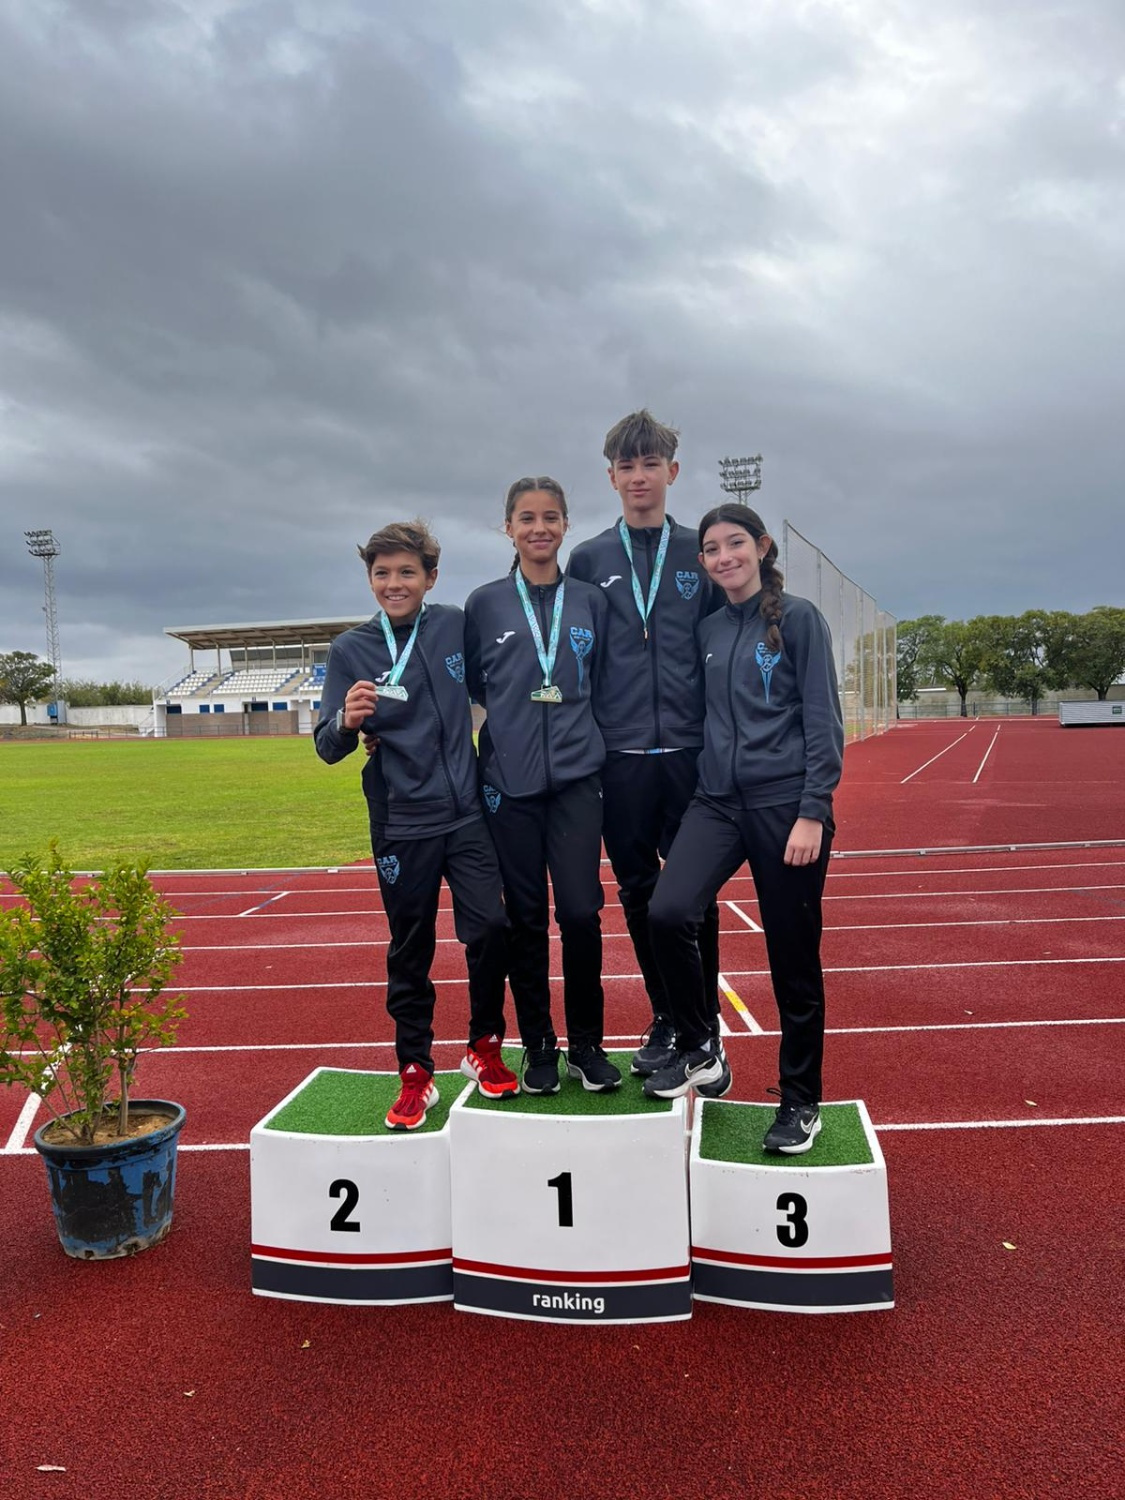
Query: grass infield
point(341, 1102)
point(733, 1132)
point(182, 804)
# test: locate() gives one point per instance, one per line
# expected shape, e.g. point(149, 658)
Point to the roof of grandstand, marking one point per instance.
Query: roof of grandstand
point(263, 633)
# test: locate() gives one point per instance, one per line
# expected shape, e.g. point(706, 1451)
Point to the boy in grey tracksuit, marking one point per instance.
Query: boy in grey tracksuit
point(401, 677)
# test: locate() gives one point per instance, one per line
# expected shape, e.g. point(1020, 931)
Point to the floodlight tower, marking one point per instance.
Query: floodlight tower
point(43, 544)
point(740, 477)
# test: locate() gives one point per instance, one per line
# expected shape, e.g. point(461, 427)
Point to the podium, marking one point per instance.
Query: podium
point(343, 1209)
point(571, 1208)
point(806, 1234)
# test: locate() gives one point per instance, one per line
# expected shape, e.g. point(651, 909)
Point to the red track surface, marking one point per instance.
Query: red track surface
point(963, 988)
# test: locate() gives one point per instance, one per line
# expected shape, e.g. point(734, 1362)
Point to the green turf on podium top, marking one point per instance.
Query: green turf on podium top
point(341, 1101)
point(733, 1131)
point(572, 1098)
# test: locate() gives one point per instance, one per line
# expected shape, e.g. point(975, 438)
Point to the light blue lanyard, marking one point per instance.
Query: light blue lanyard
point(546, 657)
point(645, 609)
point(398, 663)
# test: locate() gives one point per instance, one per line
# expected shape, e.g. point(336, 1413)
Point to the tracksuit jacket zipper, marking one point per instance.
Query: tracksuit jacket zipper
point(730, 707)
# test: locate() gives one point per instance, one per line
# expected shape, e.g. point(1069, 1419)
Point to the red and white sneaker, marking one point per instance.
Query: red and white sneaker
point(417, 1095)
point(494, 1078)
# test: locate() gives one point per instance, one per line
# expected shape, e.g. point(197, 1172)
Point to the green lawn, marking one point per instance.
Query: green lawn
point(181, 804)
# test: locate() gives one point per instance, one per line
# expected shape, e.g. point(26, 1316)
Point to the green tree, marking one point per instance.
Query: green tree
point(23, 679)
point(81, 692)
point(1025, 655)
point(1096, 649)
point(954, 656)
point(913, 640)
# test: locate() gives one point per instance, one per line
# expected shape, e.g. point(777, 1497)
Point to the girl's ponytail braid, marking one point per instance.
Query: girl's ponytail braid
point(772, 581)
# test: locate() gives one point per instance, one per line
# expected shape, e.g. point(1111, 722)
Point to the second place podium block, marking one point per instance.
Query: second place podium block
point(575, 1217)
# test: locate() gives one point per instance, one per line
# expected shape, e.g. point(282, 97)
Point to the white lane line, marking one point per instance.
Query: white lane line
point(747, 1019)
point(372, 983)
point(1017, 890)
point(1070, 864)
point(252, 911)
point(987, 753)
point(938, 756)
point(18, 1136)
point(907, 1125)
point(750, 922)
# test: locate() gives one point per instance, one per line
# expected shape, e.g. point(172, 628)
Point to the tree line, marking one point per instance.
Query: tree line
point(1017, 656)
point(25, 678)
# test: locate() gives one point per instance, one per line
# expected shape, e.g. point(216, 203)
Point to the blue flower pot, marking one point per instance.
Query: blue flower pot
point(114, 1199)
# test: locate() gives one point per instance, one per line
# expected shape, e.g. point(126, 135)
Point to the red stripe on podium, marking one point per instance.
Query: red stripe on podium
point(602, 1278)
point(342, 1258)
point(792, 1262)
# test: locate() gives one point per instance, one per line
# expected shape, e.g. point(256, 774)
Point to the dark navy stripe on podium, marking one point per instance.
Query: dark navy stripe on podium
point(823, 1290)
point(586, 1302)
point(402, 1283)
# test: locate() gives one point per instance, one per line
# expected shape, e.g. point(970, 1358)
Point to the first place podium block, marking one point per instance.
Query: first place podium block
point(344, 1210)
point(577, 1217)
point(809, 1233)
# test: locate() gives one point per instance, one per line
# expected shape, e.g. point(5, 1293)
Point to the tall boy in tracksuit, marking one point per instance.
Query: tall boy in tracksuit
point(401, 677)
point(649, 697)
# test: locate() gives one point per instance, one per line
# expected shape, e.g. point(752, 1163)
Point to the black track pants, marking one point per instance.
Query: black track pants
point(710, 846)
point(410, 874)
point(645, 798)
point(560, 832)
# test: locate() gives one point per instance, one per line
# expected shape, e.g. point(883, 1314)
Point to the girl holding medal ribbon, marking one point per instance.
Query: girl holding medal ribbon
point(400, 680)
point(773, 743)
point(532, 648)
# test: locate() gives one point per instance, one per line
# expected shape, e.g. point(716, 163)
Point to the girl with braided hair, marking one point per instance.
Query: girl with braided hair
point(773, 741)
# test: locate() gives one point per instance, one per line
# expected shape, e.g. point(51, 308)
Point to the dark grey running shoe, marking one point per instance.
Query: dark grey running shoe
point(687, 1071)
point(657, 1049)
point(722, 1085)
point(593, 1068)
point(540, 1074)
point(794, 1128)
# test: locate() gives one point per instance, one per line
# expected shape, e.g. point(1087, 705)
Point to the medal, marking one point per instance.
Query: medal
point(391, 688)
point(644, 607)
point(548, 693)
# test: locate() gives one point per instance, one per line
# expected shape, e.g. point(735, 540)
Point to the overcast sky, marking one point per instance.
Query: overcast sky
point(273, 274)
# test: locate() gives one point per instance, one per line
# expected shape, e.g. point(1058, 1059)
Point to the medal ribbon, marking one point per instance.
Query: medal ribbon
point(645, 609)
point(546, 657)
point(398, 663)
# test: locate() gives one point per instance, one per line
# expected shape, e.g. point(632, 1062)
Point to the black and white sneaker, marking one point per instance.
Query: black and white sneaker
point(540, 1072)
point(657, 1049)
point(722, 1085)
point(593, 1069)
point(794, 1128)
point(687, 1071)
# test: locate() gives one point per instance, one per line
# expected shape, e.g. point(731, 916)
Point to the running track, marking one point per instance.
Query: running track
point(976, 1002)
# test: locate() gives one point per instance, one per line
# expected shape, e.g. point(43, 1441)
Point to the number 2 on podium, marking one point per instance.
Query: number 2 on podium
point(561, 1184)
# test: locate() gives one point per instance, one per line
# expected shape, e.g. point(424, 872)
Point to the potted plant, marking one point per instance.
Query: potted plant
point(82, 973)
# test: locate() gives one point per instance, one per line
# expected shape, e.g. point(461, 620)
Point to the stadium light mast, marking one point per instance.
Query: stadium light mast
point(740, 477)
point(43, 544)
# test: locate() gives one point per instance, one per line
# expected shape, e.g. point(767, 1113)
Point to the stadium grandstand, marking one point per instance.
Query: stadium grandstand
point(263, 678)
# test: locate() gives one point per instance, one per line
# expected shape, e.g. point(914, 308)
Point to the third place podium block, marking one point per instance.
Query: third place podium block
point(808, 1233)
point(571, 1208)
point(343, 1209)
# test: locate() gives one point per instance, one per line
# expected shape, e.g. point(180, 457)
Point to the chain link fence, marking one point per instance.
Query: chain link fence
point(863, 635)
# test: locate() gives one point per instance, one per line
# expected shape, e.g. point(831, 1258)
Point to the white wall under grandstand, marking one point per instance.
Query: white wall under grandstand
point(103, 716)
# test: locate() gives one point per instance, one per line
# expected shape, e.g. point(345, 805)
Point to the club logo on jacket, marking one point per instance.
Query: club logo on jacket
point(581, 643)
point(455, 666)
point(766, 660)
point(389, 867)
point(613, 578)
point(491, 797)
point(688, 584)
point(500, 639)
